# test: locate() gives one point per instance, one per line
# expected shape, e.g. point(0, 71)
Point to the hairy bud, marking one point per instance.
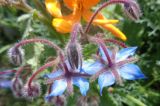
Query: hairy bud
point(31, 92)
point(16, 87)
point(58, 100)
point(74, 55)
point(16, 55)
point(132, 10)
point(88, 101)
point(73, 48)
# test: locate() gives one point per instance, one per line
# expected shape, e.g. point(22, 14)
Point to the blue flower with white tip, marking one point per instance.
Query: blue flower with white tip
point(64, 78)
point(112, 64)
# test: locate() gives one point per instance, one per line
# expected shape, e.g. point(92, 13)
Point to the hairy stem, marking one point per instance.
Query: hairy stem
point(39, 40)
point(106, 53)
point(49, 64)
point(119, 43)
point(74, 32)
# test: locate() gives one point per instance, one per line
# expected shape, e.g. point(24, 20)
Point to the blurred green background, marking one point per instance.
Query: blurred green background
point(144, 33)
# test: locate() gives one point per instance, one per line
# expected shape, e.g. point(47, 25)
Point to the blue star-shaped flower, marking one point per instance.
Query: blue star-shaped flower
point(111, 65)
point(64, 78)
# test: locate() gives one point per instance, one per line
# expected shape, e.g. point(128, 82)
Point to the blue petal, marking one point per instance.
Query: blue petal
point(54, 74)
point(58, 87)
point(91, 67)
point(105, 79)
point(103, 54)
point(131, 72)
point(125, 53)
point(5, 84)
point(82, 83)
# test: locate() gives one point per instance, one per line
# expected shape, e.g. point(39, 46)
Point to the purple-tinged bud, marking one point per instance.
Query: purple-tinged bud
point(31, 92)
point(16, 55)
point(132, 10)
point(73, 48)
point(82, 101)
point(58, 100)
point(88, 101)
point(74, 55)
point(16, 87)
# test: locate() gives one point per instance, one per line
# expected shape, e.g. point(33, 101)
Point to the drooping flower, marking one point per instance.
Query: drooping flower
point(64, 78)
point(80, 9)
point(112, 65)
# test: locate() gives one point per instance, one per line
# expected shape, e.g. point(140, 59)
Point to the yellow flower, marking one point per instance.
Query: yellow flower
point(80, 9)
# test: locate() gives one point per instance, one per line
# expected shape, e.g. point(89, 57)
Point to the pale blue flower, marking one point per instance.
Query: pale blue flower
point(120, 66)
point(66, 77)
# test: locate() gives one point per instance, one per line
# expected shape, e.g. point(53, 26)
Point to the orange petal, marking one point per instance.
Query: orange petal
point(87, 4)
point(115, 31)
point(53, 7)
point(102, 22)
point(70, 3)
point(87, 15)
point(65, 24)
point(62, 25)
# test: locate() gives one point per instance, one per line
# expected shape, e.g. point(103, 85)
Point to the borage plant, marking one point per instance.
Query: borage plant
point(109, 64)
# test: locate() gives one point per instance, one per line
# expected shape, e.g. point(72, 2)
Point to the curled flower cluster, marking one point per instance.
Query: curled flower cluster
point(110, 65)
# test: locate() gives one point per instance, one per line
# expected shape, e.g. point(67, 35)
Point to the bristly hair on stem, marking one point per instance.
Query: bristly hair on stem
point(16, 53)
point(42, 68)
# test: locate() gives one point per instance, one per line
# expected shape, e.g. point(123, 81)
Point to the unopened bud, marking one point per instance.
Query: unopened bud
point(74, 55)
point(16, 87)
point(16, 55)
point(58, 100)
point(31, 92)
point(82, 101)
point(88, 101)
point(132, 10)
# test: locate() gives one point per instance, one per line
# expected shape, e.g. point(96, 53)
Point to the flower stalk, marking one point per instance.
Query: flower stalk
point(104, 5)
point(49, 64)
point(38, 40)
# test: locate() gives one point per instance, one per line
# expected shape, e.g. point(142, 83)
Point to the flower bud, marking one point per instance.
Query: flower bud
point(73, 48)
point(16, 87)
point(132, 10)
point(31, 92)
point(88, 101)
point(74, 55)
point(16, 55)
point(58, 100)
